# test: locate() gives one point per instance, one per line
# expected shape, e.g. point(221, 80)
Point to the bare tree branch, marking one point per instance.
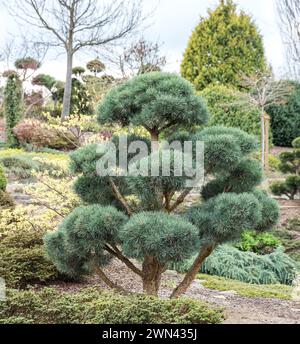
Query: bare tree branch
point(289, 15)
point(76, 24)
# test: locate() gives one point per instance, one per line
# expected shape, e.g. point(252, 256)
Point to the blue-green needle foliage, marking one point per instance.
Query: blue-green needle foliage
point(157, 101)
point(151, 188)
point(169, 238)
point(79, 243)
point(228, 204)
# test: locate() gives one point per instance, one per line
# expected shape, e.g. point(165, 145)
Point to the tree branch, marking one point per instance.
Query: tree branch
point(118, 254)
point(107, 280)
point(194, 270)
point(119, 196)
point(180, 199)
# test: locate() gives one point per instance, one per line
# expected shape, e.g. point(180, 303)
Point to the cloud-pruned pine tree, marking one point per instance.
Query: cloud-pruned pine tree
point(138, 218)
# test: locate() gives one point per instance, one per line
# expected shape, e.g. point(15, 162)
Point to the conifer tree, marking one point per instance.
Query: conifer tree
point(13, 107)
point(135, 217)
point(289, 163)
point(223, 46)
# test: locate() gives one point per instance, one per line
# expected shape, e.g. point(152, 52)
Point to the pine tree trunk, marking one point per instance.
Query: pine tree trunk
point(155, 140)
point(68, 88)
point(152, 271)
point(192, 273)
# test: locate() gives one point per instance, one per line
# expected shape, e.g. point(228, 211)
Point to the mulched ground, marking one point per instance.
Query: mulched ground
point(288, 210)
point(238, 309)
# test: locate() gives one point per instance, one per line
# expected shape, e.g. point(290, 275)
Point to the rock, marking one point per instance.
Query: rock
point(221, 297)
point(229, 292)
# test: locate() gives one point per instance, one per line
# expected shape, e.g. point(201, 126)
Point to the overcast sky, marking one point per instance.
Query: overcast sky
point(172, 24)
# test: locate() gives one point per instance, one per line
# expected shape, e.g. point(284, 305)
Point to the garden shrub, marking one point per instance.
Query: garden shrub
point(248, 267)
point(92, 306)
point(22, 166)
point(153, 233)
point(260, 243)
point(13, 107)
point(289, 235)
point(229, 108)
point(5, 198)
point(223, 46)
point(22, 253)
point(285, 118)
point(81, 100)
point(3, 180)
point(289, 163)
point(6, 201)
point(22, 259)
point(39, 134)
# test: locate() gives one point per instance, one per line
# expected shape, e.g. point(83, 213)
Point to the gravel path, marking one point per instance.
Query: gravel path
point(239, 310)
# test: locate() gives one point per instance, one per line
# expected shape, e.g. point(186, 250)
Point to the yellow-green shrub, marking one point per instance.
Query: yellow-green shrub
point(91, 306)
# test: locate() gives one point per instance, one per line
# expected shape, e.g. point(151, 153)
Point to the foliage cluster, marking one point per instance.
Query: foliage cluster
point(21, 165)
point(93, 306)
point(285, 119)
point(222, 47)
point(22, 253)
point(13, 108)
point(260, 243)
point(112, 225)
point(228, 108)
point(289, 163)
point(248, 267)
point(39, 134)
point(5, 199)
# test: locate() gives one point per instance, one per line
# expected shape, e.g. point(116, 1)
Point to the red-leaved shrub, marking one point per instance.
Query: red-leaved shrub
point(39, 134)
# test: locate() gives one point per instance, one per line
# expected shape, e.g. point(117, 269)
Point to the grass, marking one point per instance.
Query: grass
point(53, 157)
point(277, 291)
point(20, 162)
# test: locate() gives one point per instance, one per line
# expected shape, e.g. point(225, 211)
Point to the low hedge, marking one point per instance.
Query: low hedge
point(92, 306)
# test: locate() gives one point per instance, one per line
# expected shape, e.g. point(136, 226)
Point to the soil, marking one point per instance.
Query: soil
point(238, 309)
point(288, 210)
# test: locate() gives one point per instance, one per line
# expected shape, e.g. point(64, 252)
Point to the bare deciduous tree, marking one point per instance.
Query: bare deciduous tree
point(289, 15)
point(73, 25)
point(141, 57)
point(264, 91)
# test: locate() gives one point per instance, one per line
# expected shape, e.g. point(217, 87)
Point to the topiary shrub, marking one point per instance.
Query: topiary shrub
point(13, 107)
point(228, 108)
point(248, 267)
point(289, 163)
point(285, 118)
point(92, 306)
point(151, 232)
